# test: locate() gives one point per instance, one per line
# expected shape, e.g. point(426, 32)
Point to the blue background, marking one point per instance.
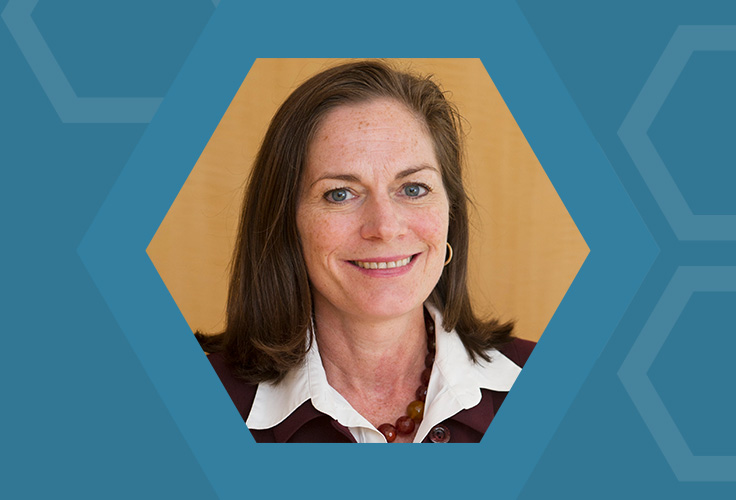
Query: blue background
point(103, 113)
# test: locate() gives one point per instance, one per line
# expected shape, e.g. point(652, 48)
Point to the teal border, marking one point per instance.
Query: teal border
point(113, 250)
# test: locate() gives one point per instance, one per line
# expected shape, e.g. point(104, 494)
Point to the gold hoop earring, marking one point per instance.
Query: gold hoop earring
point(450, 257)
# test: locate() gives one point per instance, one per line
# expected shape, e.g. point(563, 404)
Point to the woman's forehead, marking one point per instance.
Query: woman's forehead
point(379, 132)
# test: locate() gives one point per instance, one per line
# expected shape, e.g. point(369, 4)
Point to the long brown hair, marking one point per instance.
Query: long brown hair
point(269, 307)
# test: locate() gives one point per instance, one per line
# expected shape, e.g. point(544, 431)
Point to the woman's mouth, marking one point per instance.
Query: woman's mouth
point(391, 264)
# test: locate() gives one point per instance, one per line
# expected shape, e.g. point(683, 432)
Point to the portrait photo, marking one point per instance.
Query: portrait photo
point(368, 250)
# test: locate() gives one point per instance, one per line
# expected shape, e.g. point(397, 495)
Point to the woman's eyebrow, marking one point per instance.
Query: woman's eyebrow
point(338, 177)
point(413, 170)
point(354, 178)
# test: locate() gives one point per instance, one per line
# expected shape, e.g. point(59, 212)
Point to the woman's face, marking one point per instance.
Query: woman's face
point(372, 213)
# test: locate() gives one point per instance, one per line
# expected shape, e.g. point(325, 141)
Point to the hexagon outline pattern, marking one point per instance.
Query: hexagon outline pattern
point(70, 107)
point(633, 373)
point(633, 133)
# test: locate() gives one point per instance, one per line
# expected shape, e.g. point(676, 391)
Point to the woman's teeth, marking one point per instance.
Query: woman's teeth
point(382, 265)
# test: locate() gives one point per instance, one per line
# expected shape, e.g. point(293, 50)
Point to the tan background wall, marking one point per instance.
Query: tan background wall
point(525, 249)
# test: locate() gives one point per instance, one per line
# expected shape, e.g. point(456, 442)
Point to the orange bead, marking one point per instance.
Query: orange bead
point(415, 410)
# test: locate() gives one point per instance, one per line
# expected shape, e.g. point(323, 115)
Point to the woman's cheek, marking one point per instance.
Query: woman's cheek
point(433, 225)
point(322, 234)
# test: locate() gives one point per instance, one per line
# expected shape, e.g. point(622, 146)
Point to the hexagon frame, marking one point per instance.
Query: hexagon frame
point(633, 133)
point(633, 373)
point(196, 175)
point(70, 107)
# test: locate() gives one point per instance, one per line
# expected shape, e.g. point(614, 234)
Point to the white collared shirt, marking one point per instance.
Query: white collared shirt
point(455, 385)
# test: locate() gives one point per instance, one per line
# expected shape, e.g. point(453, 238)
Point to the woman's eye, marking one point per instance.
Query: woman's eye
point(415, 190)
point(338, 195)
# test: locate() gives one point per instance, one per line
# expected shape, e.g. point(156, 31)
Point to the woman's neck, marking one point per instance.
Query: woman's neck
point(375, 365)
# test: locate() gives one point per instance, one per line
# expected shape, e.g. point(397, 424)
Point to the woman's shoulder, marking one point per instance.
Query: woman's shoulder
point(241, 392)
point(518, 350)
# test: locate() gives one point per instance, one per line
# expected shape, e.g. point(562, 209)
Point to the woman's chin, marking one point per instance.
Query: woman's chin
point(386, 310)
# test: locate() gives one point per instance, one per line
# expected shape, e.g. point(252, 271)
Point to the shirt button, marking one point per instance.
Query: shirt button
point(439, 434)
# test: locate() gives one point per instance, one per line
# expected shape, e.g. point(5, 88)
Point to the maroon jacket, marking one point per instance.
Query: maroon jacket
point(307, 425)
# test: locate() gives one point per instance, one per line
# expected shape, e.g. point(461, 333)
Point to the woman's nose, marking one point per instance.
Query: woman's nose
point(381, 220)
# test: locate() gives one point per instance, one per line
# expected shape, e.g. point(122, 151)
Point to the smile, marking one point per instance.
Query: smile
point(383, 265)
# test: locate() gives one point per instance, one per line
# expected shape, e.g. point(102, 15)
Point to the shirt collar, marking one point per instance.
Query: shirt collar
point(455, 385)
point(457, 380)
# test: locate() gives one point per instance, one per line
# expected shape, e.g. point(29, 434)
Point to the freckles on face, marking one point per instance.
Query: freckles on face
point(372, 212)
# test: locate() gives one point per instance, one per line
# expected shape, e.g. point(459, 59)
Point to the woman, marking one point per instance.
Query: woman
point(348, 316)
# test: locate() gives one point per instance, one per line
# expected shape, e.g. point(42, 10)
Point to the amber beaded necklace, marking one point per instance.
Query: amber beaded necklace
point(406, 424)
